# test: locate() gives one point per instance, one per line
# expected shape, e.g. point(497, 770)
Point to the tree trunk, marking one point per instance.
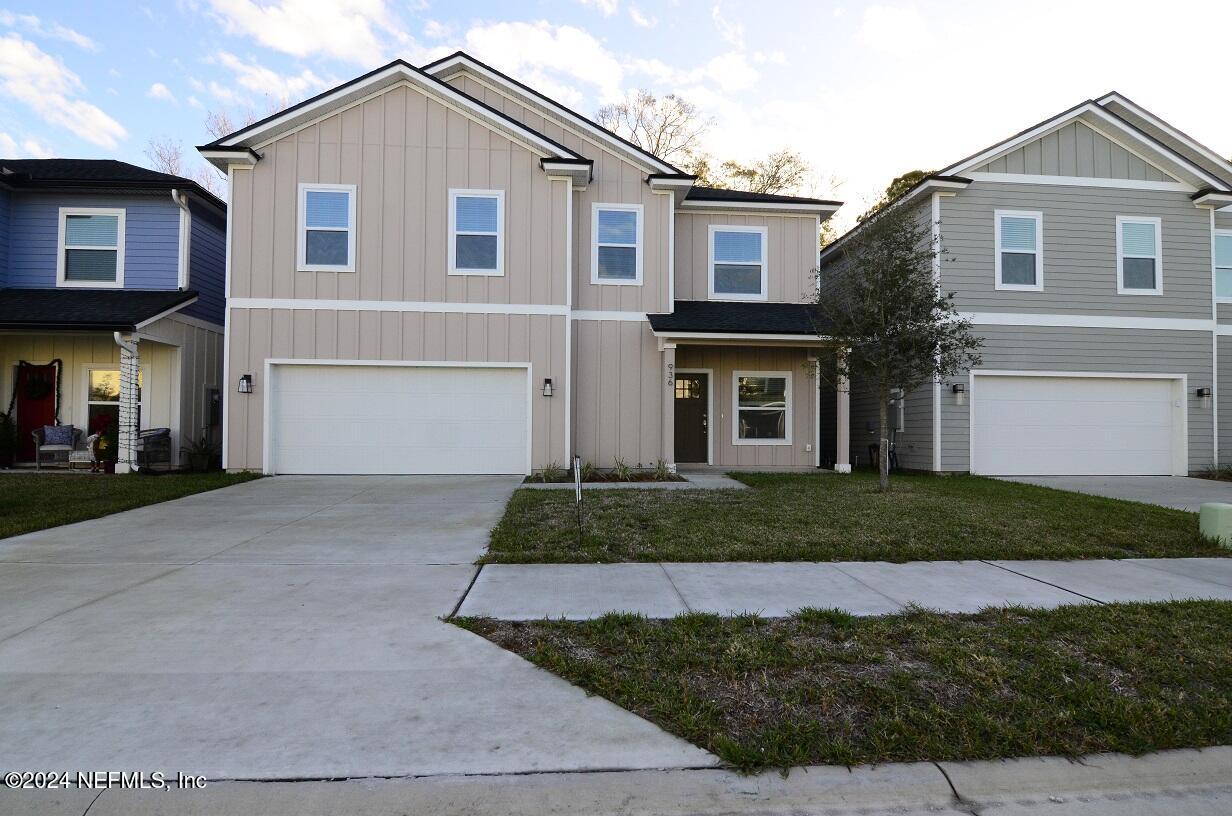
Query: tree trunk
point(883, 454)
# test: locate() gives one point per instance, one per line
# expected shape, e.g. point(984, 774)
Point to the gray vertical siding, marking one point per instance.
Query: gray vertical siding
point(1075, 150)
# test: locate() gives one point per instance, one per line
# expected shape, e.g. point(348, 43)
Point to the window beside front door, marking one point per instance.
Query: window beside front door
point(91, 251)
point(761, 409)
point(103, 399)
point(738, 263)
point(1139, 261)
point(1020, 250)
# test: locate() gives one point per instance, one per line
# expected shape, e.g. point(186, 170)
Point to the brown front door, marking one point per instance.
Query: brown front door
point(35, 405)
point(692, 417)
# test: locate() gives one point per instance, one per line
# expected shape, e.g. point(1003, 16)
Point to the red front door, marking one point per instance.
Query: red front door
point(35, 405)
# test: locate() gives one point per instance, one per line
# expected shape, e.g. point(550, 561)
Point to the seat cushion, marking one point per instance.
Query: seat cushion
point(58, 435)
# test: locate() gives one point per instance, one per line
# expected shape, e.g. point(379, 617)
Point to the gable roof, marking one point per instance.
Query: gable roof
point(239, 144)
point(654, 164)
point(1178, 139)
point(94, 174)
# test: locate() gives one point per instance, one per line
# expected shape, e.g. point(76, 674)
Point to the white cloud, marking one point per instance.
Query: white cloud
point(434, 30)
point(894, 29)
point(35, 26)
point(608, 7)
point(640, 19)
point(730, 32)
point(160, 91)
point(51, 90)
point(541, 55)
point(10, 148)
point(283, 88)
point(357, 31)
point(194, 102)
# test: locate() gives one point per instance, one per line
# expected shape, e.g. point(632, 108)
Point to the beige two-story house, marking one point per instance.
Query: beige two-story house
point(440, 270)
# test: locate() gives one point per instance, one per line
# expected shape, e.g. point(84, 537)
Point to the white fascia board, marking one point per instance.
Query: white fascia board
point(165, 313)
point(1213, 200)
point(670, 184)
point(929, 187)
point(761, 206)
point(459, 62)
point(1180, 136)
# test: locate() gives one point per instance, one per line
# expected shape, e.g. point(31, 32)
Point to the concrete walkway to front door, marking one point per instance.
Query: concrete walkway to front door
point(287, 628)
point(582, 591)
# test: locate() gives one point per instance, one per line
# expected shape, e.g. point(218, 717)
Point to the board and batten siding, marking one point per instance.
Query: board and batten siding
point(198, 363)
point(724, 361)
point(617, 393)
point(1022, 348)
point(207, 266)
point(791, 254)
point(339, 334)
point(1080, 261)
point(1075, 150)
point(404, 151)
point(616, 181)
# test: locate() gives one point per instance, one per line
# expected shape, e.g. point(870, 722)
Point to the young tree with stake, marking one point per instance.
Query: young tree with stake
point(886, 313)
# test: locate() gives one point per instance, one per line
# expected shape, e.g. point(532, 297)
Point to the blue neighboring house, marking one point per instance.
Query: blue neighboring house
point(112, 301)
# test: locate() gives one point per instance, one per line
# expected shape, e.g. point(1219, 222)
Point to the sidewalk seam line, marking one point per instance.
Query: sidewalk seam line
point(838, 567)
point(90, 806)
point(465, 592)
point(1042, 581)
point(675, 588)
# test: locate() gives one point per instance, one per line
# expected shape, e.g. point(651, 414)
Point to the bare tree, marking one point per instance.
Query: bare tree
point(783, 171)
point(670, 127)
point(166, 155)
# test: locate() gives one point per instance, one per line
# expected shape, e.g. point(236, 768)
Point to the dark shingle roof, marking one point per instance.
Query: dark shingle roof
point(85, 309)
point(723, 317)
point(699, 193)
point(93, 173)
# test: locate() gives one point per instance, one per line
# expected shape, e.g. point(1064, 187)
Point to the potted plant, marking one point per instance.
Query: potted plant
point(8, 440)
point(200, 454)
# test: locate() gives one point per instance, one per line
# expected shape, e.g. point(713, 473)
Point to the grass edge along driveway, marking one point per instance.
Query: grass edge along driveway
point(37, 501)
point(832, 517)
point(826, 687)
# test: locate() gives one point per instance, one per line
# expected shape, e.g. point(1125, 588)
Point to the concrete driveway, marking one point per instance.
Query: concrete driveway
point(285, 629)
point(1181, 492)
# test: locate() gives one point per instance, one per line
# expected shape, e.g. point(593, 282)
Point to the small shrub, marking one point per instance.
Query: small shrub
point(588, 470)
point(552, 472)
point(661, 472)
point(621, 471)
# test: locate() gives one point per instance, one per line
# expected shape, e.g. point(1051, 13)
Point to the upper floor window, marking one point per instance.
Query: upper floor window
point(1139, 258)
point(327, 228)
point(1020, 250)
point(616, 254)
point(91, 252)
point(738, 263)
point(476, 232)
point(1223, 265)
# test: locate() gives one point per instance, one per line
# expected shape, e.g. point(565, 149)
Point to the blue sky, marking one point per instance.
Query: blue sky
point(863, 90)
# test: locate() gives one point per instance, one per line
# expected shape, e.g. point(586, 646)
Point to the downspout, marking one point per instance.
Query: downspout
point(126, 442)
point(181, 201)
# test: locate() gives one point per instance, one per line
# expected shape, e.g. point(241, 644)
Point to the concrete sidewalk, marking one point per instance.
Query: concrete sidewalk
point(1195, 783)
point(582, 591)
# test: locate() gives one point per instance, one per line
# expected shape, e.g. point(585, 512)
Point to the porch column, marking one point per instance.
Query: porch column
point(130, 365)
point(669, 406)
point(842, 435)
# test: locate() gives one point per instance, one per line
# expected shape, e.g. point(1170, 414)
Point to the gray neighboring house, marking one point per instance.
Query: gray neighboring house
point(1093, 252)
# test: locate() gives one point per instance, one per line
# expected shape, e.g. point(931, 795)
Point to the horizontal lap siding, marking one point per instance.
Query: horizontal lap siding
point(791, 254)
point(1224, 394)
point(1075, 150)
point(260, 334)
point(404, 151)
point(1080, 267)
point(725, 360)
point(1095, 350)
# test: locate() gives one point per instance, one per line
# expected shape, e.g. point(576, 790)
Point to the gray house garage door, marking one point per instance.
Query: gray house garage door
point(1102, 426)
point(337, 419)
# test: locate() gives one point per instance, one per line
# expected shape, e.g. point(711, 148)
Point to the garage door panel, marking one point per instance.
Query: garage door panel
point(398, 419)
point(1102, 426)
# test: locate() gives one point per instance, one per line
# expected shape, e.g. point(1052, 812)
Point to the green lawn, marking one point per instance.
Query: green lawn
point(824, 687)
point(828, 517)
point(30, 501)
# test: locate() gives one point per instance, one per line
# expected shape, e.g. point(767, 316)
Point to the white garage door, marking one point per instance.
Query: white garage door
point(397, 419)
point(1046, 426)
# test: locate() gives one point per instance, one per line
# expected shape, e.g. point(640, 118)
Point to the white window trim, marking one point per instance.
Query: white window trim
point(1038, 217)
point(1225, 233)
point(499, 195)
point(302, 238)
point(83, 411)
point(735, 402)
point(765, 271)
point(594, 243)
point(1159, 254)
point(61, 248)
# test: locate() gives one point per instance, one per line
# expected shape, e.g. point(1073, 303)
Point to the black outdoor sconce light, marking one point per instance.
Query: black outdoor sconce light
point(1204, 394)
point(245, 384)
point(960, 393)
point(547, 387)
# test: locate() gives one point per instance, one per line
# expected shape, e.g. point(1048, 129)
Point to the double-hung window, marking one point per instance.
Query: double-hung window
point(761, 408)
point(737, 263)
point(476, 232)
point(1020, 250)
point(103, 398)
point(616, 254)
point(91, 252)
point(1223, 265)
point(326, 228)
point(1139, 257)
